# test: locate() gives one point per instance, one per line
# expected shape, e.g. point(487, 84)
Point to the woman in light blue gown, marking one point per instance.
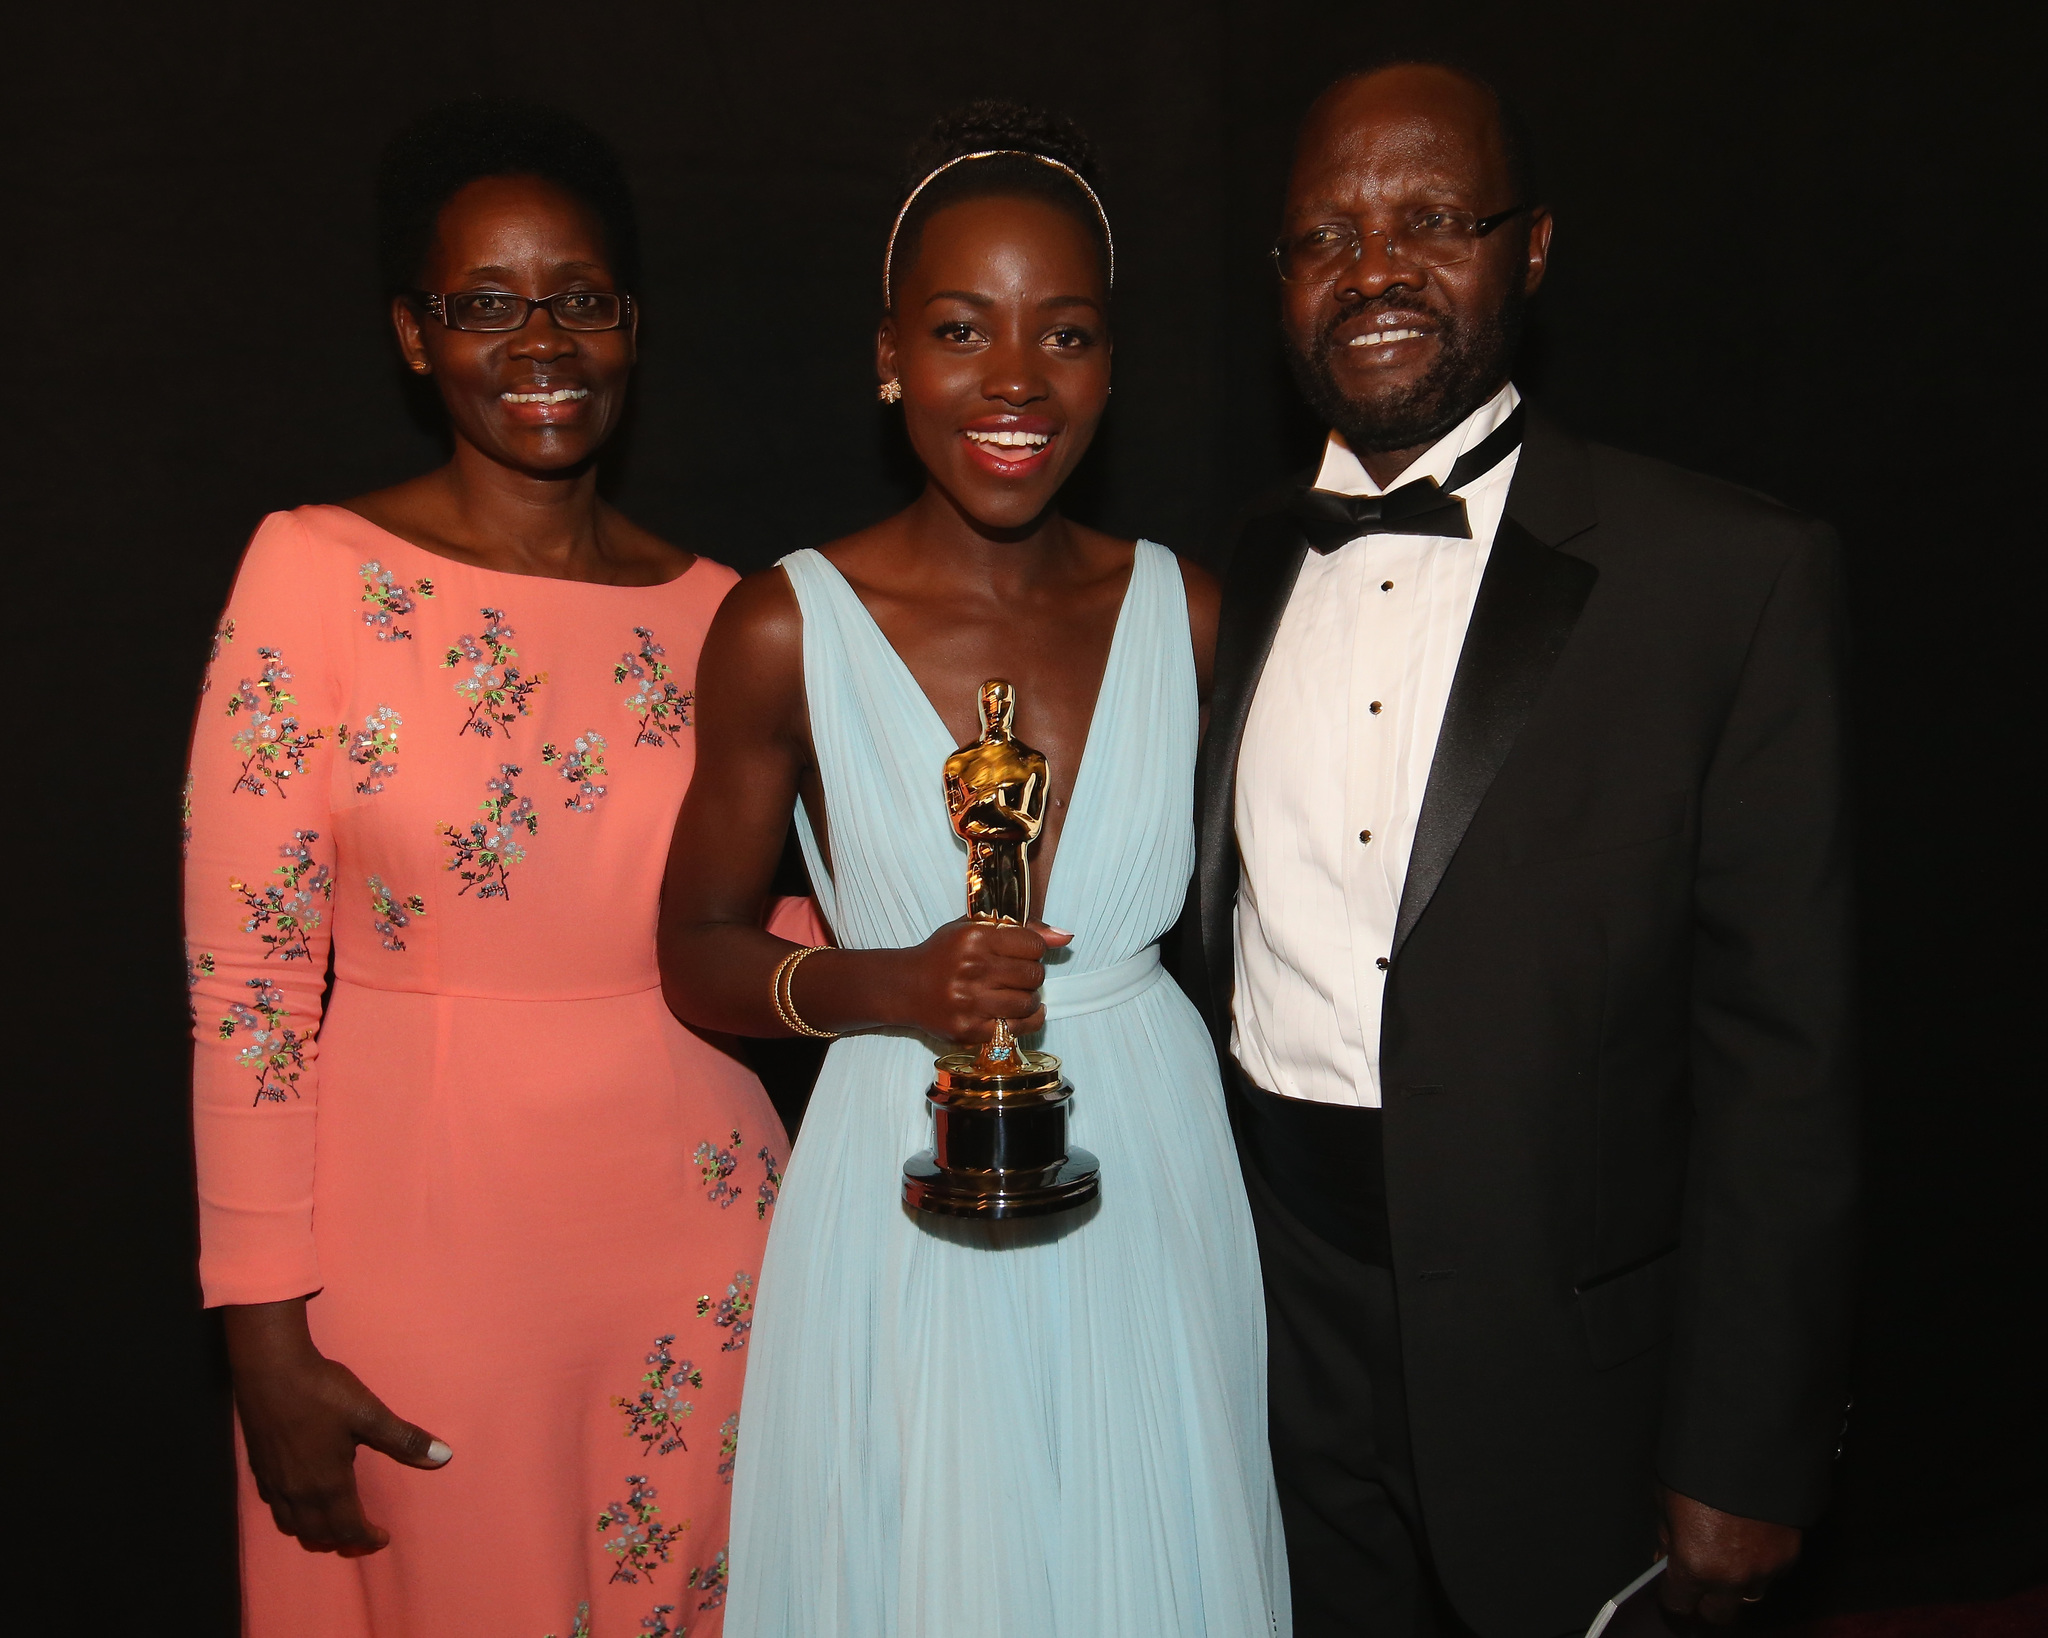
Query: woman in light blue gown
point(1053, 1428)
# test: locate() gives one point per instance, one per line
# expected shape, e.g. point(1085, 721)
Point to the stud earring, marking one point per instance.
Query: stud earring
point(890, 391)
point(419, 366)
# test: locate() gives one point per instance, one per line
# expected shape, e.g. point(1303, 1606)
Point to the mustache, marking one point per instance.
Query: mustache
point(1447, 325)
point(1473, 351)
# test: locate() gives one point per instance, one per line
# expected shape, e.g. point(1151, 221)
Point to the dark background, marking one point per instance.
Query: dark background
point(1788, 253)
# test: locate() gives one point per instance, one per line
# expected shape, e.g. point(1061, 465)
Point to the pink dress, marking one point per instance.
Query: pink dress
point(532, 1204)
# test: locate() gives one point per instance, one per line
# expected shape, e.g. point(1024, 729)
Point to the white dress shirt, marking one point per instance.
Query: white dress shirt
point(1331, 773)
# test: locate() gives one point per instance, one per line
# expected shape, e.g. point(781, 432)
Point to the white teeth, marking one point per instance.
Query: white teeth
point(561, 395)
point(1379, 338)
point(1013, 440)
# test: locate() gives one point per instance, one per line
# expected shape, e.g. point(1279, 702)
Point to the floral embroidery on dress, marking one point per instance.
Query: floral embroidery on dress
point(582, 1627)
point(660, 705)
point(223, 634)
point(196, 967)
point(390, 601)
point(642, 1540)
point(375, 746)
point(655, 1623)
point(765, 1196)
point(286, 914)
point(497, 693)
point(389, 913)
point(716, 1166)
point(710, 1581)
point(728, 1445)
point(583, 766)
point(734, 1312)
point(185, 817)
point(274, 1049)
point(656, 1416)
point(487, 851)
point(272, 745)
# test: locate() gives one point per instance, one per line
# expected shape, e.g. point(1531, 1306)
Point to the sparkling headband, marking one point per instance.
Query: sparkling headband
point(1079, 181)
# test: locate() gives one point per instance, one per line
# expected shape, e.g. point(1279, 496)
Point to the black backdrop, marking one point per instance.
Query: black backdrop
point(1787, 247)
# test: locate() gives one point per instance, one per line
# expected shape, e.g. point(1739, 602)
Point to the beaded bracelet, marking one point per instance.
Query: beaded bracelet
point(781, 988)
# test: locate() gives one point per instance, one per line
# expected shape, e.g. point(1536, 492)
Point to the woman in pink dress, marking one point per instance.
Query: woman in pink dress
point(490, 1213)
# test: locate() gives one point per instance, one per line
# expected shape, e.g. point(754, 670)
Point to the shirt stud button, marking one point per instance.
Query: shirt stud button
point(1365, 835)
point(1386, 585)
point(1382, 963)
point(1374, 708)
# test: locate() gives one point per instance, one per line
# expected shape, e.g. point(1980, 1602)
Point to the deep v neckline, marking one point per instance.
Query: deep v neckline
point(944, 735)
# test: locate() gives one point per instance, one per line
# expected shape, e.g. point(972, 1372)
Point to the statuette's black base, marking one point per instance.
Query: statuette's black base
point(928, 1187)
point(999, 1144)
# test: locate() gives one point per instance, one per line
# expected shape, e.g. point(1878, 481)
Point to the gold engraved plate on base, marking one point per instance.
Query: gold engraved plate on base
point(999, 1114)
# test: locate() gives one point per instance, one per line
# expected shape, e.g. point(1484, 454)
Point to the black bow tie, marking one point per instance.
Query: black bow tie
point(1329, 520)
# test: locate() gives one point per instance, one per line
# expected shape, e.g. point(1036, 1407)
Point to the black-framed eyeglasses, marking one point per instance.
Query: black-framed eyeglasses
point(490, 310)
point(1432, 237)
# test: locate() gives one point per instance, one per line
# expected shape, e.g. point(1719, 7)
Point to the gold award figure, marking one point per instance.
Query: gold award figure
point(995, 791)
point(999, 1116)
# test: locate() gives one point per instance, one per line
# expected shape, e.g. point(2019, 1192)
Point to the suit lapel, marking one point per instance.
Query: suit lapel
point(1529, 599)
point(1255, 592)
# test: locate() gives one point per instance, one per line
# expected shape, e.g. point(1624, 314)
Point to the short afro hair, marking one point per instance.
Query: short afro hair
point(980, 127)
point(447, 148)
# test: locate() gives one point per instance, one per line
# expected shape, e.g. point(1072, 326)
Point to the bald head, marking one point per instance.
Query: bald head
point(1435, 107)
point(1407, 249)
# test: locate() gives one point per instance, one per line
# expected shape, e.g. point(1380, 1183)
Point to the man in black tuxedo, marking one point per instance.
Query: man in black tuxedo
point(1523, 905)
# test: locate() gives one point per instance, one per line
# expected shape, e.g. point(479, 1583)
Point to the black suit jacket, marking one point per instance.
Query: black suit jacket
point(1620, 1145)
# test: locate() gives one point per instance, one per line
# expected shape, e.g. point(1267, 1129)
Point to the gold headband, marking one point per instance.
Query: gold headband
point(1079, 181)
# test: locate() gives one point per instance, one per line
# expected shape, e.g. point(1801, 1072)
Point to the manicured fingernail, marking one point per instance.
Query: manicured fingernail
point(438, 1453)
point(1063, 933)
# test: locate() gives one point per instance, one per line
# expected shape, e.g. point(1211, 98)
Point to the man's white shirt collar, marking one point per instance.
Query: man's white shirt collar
point(1336, 753)
point(1344, 474)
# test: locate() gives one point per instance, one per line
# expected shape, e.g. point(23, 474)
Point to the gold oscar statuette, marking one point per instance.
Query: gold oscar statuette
point(999, 1115)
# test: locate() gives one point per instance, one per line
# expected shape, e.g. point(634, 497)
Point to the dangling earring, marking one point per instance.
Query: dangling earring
point(890, 391)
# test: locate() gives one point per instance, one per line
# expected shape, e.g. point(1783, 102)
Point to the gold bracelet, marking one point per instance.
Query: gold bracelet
point(782, 990)
point(775, 988)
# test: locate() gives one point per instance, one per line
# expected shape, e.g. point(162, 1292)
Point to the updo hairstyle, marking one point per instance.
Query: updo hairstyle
point(977, 128)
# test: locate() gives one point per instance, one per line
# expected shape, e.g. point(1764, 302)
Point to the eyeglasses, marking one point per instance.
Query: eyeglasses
point(490, 310)
point(1429, 238)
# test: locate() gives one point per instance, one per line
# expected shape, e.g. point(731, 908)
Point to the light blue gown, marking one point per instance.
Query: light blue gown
point(1046, 1429)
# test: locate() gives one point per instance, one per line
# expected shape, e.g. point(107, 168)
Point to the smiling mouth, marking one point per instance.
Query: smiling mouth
point(561, 395)
point(1380, 338)
point(1008, 451)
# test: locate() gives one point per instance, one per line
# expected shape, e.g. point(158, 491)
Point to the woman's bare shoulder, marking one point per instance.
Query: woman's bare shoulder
point(1205, 592)
point(1107, 561)
point(1204, 595)
point(869, 558)
point(761, 614)
point(1115, 554)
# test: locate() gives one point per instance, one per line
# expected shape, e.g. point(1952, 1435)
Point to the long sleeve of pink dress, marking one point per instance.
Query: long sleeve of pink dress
point(528, 1203)
point(259, 896)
